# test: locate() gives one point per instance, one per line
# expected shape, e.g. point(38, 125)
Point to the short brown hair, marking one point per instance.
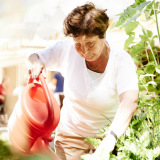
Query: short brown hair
point(85, 20)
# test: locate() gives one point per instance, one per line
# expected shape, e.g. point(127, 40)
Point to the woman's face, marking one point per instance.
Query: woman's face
point(89, 47)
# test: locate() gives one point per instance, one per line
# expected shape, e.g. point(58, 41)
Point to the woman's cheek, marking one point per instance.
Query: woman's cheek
point(79, 51)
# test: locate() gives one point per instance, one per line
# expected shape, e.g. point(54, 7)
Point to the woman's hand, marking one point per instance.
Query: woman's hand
point(106, 146)
point(35, 66)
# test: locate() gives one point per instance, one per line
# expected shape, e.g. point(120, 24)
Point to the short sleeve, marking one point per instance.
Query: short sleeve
point(51, 56)
point(54, 57)
point(126, 77)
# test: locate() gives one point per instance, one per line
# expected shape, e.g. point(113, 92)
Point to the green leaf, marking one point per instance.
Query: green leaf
point(147, 33)
point(150, 69)
point(143, 38)
point(150, 63)
point(152, 82)
point(156, 151)
point(137, 3)
point(113, 25)
point(138, 48)
point(131, 14)
point(146, 75)
point(157, 6)
point(135, 122)
point(149, 6)
point(158, 69)
point(132, 34)
point(144, 138)
point(144, 31)
point(128, 42)
point(150, 33)
point(94, 141)
point(150, 155)
point(149, 11)
point(130, 27)
point(140, 71)
point(99, 135)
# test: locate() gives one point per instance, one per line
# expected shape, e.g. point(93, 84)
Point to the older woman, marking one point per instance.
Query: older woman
point(100, 81)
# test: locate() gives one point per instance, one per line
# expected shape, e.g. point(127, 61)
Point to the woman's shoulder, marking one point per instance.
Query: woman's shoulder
point(119, 53)
point(66, 42)
point(61, 43)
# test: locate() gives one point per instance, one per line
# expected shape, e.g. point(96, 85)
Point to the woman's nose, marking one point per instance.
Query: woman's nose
point(84, 49)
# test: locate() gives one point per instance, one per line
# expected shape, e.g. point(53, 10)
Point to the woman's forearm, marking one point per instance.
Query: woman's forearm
point(118, 126)
point(123, 117)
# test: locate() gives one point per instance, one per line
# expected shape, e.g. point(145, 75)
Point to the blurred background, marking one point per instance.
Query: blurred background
point(29, 25)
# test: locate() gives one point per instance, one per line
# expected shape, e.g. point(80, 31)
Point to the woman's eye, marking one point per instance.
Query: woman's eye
point(90, 44)
point(77, 44)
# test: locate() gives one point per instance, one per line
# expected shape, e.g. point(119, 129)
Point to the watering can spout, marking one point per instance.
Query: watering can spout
point(41, 148)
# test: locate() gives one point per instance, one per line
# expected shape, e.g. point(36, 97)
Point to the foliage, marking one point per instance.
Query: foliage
point(6, 154)
point(141, 140)
point(4, 151)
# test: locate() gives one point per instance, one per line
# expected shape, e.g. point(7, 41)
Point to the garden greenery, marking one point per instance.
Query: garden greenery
point(141, 140)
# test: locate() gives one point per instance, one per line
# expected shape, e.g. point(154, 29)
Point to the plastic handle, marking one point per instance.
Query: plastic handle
point(30, 80)
point(47, 97)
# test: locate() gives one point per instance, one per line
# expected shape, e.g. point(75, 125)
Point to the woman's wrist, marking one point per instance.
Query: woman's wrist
point(111, 137)
point(110, 132)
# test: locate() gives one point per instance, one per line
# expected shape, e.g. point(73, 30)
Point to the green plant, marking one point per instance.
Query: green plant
point(142, 138)
point(6, 154)
point(4, 151)
point(146, 56)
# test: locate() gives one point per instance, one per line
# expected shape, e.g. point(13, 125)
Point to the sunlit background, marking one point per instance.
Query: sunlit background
point(30, 25)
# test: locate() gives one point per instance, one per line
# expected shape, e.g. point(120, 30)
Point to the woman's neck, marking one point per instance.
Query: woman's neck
point(99, 65)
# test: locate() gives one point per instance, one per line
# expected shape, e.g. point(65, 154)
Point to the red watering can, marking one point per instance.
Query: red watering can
point(34, 118)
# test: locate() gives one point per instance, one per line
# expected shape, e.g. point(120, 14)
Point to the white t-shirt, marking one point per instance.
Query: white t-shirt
point(90, 97)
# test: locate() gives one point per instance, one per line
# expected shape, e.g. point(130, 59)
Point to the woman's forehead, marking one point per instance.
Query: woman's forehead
point(86, 38)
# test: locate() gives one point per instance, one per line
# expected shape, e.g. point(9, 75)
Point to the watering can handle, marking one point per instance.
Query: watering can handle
point(30, 80)
point(47, 97)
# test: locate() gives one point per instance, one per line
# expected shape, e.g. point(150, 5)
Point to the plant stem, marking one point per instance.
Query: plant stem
point(153, 54)
point(106, 117)
point(153, 126)
point(158, 122)
point(147, 55)
point(150, 45)
point(155, 12)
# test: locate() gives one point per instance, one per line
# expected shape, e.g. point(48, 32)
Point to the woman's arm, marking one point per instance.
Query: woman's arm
point(128, 106)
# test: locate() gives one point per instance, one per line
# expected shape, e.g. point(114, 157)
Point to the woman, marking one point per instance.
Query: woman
point(100, 81)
